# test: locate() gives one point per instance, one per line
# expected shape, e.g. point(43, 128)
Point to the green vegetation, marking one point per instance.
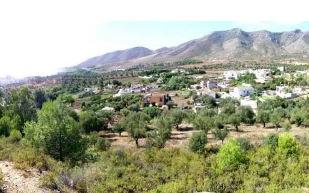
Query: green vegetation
point(56, 133)
point(132, 147)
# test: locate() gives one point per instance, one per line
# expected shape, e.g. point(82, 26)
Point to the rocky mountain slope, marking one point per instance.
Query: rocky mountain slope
point(234, 44)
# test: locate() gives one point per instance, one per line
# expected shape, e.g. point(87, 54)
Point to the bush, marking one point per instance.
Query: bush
point(15, 136)
point(287, 145)
point(102, 144)
point(152, 111)
point(197, 142)
point(244, 143)
point(272, 141)
point(286, 125)
point(89, 122)
point(28, 157)
point(231, 155)
point(5, 126)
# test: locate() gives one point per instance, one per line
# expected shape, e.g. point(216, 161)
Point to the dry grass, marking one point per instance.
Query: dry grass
point(254, 133)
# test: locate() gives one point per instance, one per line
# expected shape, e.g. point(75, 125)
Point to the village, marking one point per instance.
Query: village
point(220, 87)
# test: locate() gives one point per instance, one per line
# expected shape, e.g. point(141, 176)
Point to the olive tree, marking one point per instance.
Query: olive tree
point(136, 125)
point(198, 141)
point(161, 132)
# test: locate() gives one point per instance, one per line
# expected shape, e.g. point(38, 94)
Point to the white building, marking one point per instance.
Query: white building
point(211, 84)
point(223, 85)
point(110, 109)
point(242, 91)
point(232, 74)
point(94, 90)
point(262, 75)
point(284, 92)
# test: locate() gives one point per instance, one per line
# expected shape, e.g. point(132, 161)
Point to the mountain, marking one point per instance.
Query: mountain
point(229, 45)
point(117, 56)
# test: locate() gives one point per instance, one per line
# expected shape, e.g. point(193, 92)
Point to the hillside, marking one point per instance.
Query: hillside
point(234, 44)
point(117, 56)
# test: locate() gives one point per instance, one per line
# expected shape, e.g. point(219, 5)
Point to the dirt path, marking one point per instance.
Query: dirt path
point(18, 181)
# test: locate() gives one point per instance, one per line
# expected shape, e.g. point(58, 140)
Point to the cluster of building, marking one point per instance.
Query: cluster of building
point(136, 88)
point(221, 87)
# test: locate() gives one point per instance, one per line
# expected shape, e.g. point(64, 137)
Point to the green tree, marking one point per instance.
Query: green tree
point(276, 117)
point(247, 115)
point(136, 125)
point(152, 111)
point(235, 120)
point(209, 102)
point(263, 116)
point(204, 123)
point(5, 126)
point(161, 133)
point(21, 103)
point(56, 133)
point(90, 121)
point(119, 128)
point(177, 116)
point(228, 108)
point(39, 98)
point(198, 141)
point(220, 133)
point(67, 99)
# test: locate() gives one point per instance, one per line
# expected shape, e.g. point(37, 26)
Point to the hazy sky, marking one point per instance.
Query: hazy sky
point(40, 36)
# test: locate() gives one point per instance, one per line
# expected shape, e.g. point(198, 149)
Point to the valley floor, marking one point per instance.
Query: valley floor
point(180, 138)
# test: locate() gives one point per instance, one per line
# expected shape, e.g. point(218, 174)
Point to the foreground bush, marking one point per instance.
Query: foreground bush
point(56, 133)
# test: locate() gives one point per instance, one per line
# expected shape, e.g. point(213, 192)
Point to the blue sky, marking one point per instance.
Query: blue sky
point(156, 34)
point(39, 37)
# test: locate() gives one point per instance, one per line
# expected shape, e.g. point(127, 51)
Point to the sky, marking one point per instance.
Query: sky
point(38, 37)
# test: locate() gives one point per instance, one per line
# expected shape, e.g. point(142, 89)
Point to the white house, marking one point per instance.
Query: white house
point(94, 90)
point(284, 92)
point(242, 91)
point(211, 84)
point(262, 75)
point(223, 85)
point(110, 109)
point(232, 74)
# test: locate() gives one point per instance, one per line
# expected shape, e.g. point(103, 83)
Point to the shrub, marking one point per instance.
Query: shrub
point(152, 111)
point(197, 142)
point(287, 145)
point(244, 143)
point(5, 126)
point(28, 157)
point(231, 155)
point(272, 141)
point(102, 144)
point(15, 136)
point(286, 125)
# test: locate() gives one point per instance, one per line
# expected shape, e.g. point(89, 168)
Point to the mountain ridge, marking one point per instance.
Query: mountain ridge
point(233, 44)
